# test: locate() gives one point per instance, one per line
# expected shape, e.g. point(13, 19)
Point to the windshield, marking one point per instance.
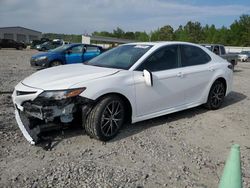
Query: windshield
point(121, 57)
point(61, 48)
point(45, 43)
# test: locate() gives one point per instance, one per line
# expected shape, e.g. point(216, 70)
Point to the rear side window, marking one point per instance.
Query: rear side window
point(192, 55)
point(222, 50)
point(163, 59)
point(92, 49)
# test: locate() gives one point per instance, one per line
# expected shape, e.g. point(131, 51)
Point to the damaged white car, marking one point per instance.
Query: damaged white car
point(130, 83)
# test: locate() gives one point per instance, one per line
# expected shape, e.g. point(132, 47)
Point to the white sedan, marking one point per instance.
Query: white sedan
point(130, 83)
point(244, 56)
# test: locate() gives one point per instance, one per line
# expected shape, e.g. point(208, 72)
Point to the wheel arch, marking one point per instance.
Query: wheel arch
point(56, 60)
point(128, 106)
point(206, 92)
point(223, 80)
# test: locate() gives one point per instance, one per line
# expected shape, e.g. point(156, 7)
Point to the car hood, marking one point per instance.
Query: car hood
point(42, 54)
point(65, 76)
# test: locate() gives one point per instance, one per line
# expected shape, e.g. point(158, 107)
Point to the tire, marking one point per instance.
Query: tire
point(106, 118)
point(216, 95)
point(43, 49)
point(19, 47)
point(55, 63)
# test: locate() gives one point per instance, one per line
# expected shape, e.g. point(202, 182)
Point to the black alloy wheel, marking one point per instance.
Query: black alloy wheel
point(112, 118)
point(106, 118)
point(216, 95)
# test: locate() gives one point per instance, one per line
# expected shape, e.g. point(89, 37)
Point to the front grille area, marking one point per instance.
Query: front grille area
point(18, 93)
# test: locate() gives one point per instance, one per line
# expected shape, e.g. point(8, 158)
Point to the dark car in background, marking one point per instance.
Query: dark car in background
point(49, 45)
point(66, 54)
point(10, 43)
point(34, 43)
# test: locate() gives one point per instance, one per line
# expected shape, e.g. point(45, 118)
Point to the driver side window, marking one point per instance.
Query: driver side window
point(76, 49)
point(163, 59)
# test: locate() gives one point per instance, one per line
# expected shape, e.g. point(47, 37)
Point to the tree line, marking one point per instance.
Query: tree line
point(237, 34)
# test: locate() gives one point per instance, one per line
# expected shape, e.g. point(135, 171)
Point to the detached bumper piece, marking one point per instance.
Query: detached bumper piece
point(49, 113)
point(43, 115)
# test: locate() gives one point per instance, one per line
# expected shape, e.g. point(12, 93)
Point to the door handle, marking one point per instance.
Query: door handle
point(179, 74)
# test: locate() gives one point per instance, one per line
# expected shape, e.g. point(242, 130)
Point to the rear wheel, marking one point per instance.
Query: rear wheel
point(106, 118)
point(216, 95)
point(55, 63)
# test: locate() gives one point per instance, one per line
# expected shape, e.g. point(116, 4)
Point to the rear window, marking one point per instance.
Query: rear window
point(193, 55)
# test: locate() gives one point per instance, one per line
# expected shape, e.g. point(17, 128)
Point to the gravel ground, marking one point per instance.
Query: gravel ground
point(184, 149)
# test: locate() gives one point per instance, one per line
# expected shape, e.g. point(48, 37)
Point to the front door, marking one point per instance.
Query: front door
point(74, 55)
point(167, 90)
point(91, 52)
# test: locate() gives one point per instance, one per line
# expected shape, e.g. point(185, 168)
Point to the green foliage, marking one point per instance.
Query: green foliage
point(240, 31)
point(194, 32)
point(237, 34)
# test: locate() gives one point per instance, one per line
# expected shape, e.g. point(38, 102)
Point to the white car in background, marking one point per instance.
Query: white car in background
point(244, 56)
point(130, 83)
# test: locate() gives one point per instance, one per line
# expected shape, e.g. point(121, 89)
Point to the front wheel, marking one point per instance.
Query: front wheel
point(106, 118)
point(55, 63)
point(19, 47)
point(216, 95)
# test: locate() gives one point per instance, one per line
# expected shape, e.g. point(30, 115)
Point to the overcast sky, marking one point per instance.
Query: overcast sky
point(86, 16)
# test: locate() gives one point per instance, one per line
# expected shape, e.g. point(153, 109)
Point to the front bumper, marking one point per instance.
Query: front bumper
point(35, 115)
point(243, 58)
point(39, 64)
point(27, 94)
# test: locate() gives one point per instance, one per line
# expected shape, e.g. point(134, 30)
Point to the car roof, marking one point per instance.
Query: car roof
point(75, 44)
point(211, 44)
point(161, 43)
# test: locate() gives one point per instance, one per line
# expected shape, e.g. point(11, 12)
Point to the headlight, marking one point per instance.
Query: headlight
point(62, 94)
point(41, 58)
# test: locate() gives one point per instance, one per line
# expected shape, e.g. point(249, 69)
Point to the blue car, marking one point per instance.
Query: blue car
point(66, 54)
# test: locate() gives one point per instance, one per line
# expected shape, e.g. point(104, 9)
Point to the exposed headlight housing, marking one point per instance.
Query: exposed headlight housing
point(41, 58)
point(62, 94)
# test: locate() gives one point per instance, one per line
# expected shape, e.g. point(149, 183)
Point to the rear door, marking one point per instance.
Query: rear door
point(197, 71)
point(91, 52)
point(74, 54)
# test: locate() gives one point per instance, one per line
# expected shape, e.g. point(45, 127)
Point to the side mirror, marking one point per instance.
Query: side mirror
point(148, 77)
point(84, 49)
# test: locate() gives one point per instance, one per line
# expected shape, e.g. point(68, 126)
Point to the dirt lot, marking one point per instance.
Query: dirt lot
point(185, 149)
